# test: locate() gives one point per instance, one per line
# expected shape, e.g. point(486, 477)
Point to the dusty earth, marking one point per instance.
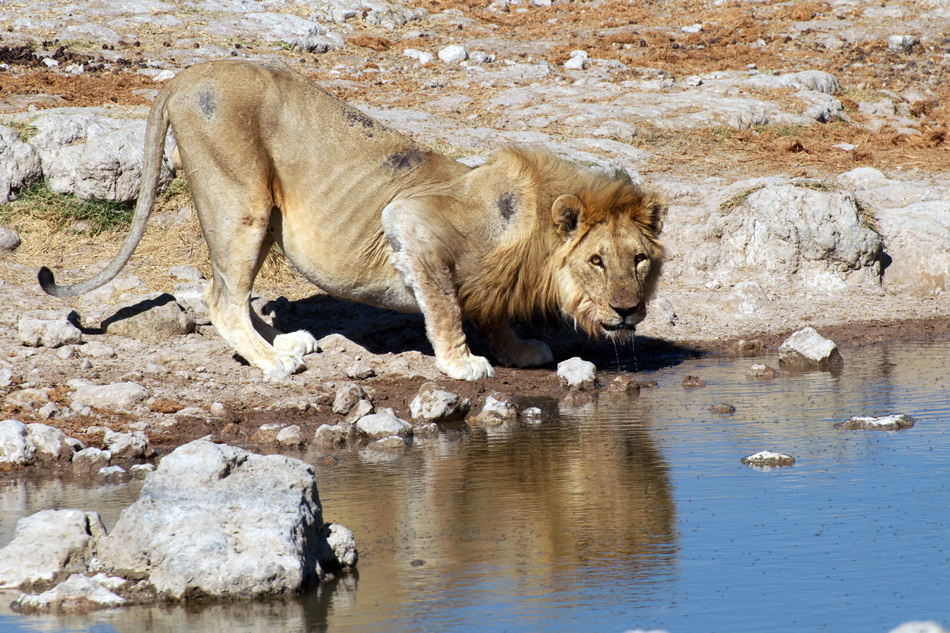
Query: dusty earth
point(186, 375)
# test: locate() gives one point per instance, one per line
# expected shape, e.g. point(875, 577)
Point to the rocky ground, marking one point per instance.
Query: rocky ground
point(801, 146)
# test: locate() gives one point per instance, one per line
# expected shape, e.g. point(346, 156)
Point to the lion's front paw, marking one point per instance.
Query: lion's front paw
point(469, 367)
point(299, 343)
point(531, 353)
point(282, 365)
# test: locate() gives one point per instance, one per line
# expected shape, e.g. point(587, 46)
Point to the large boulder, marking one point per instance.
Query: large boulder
point(91, 155)
point(798, 229)
point(217, 521)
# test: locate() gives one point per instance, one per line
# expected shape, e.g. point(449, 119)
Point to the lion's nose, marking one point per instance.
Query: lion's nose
point(625, 312)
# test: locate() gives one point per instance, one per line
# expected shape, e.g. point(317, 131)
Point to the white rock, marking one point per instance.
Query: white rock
point(15, 448)
point(127, 445)
point(219, 521)
point(578, 60)
point(453, 54)
point(347, 397)
point(119, 396)
point(423, 57)
point(901, 42)
point(577, 373)
point(163, 76)
point(342, 545)
point(807, 348)
point(51, 443)
point(768, 459)
point(46, 544)
point(894, 422)
point(36, 332)
point(383, 423)
point(91, 459)
point(434, 404)
point(290, 436)
point(77, 593)
point(692, 28)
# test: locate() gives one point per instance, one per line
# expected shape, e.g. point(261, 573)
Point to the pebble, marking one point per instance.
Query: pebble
point(901, 42)
point(722, 408)
point(693, 382)
point(578, 60)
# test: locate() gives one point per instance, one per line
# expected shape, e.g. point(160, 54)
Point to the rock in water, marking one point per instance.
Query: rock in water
point(217, 521)
point(808, 349)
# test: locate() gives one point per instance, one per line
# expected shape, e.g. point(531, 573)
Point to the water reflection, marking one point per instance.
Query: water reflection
point(626, 513)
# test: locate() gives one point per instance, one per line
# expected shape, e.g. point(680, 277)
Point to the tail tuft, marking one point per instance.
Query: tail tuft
point(47, 282)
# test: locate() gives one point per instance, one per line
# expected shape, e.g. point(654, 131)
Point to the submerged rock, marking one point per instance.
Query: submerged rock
point(807, 349)
point(768, 459)
point(497, 410)
point(77, 594)
point(894, 422)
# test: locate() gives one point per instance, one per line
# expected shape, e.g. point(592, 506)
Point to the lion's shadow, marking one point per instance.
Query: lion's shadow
point(380, 331)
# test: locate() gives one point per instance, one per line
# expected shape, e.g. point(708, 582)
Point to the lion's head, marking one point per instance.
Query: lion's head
point(610, 259)
point(587, 246)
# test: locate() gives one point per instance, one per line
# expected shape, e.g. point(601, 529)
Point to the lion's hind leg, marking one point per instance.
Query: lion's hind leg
point(238, 244)
point(513, 351)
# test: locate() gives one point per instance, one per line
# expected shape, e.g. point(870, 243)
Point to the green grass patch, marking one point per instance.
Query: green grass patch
point(90, 217)
point(24, 130)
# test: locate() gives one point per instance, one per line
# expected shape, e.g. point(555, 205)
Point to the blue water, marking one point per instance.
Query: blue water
point(630, 514)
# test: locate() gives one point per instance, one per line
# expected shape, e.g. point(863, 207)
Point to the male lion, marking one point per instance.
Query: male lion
point(368, 215)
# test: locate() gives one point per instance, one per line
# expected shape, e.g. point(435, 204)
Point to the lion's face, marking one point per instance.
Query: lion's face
point(611, 263)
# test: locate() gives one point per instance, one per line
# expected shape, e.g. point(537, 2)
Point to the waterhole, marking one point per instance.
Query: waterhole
point(626, 513)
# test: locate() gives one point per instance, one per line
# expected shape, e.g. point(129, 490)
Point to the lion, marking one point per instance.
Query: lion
point(368, 215)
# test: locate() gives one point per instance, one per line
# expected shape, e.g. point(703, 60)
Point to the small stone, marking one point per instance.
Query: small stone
point(435, 404)
point(347, 397)
point(164, 76)
point(127, 445)
point(426, 431)
point(9, 240)
point(76, 594)
point(113, 474)
point(894, 422)
point(768, 459)
point(422, 57)
point(98, 349)
point(391, 443)
point(808, 349)
point(576, 373)
point(290, 436)
point(763, 372)
point(693, 382)
point(453, 54)
point(35, 332)
point(693, 28)
point(722, 408)
point(624, 385)
point(15, 448)
point(901, 42)
point(497, 410)
point(153, 320)
point(335, 436)
point(91, 460)
point(534, 415)
point(267, 433)
point(578, 61)
point(139, 471)
point(341, 548)
point(383, 423)
point(362, 409)
point(359, 371)
point(119, 396)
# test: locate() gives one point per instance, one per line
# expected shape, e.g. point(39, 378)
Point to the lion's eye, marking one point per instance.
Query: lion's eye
point(640, 258)
point(597, 261)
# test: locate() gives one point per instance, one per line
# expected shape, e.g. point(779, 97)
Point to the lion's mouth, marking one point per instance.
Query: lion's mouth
point(615, 327)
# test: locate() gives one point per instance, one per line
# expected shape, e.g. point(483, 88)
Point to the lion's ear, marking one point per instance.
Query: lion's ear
point(653, 213)
point(566, 213)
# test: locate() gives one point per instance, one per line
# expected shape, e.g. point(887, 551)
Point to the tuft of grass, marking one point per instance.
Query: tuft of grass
point(737, 200)
point(24, 130)
point(90, 217)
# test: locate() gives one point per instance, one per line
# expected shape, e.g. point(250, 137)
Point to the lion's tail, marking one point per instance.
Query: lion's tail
point(151, 170)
